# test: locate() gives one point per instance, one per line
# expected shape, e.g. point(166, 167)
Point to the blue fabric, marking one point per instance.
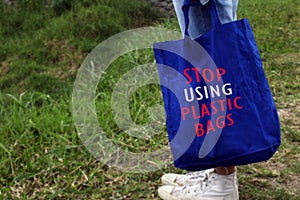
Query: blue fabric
point(219, 107)
point(200, 15)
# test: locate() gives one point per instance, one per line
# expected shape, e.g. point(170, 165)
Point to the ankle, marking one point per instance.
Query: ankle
point(225, 170)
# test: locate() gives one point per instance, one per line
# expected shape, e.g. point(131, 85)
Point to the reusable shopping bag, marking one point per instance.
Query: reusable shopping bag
point(218, 104)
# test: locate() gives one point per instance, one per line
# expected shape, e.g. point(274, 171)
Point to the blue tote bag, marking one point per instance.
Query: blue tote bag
point(218, 104)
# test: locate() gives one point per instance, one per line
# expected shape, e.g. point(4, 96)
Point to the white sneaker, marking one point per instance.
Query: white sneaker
point(185, 179)
point(214, 187)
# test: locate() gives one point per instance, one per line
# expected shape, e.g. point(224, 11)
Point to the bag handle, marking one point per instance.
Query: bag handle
point(215, 20)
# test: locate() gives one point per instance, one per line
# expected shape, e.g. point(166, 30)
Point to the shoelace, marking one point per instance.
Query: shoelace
point(201, 186)
point(197, 175)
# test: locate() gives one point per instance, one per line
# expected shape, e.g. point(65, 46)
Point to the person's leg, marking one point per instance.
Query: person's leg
point(196, 185)
point(225, 170)
point(200, 22)
point(227, 10)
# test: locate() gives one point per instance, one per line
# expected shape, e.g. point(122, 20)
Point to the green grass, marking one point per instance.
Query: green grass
point(42, 156)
